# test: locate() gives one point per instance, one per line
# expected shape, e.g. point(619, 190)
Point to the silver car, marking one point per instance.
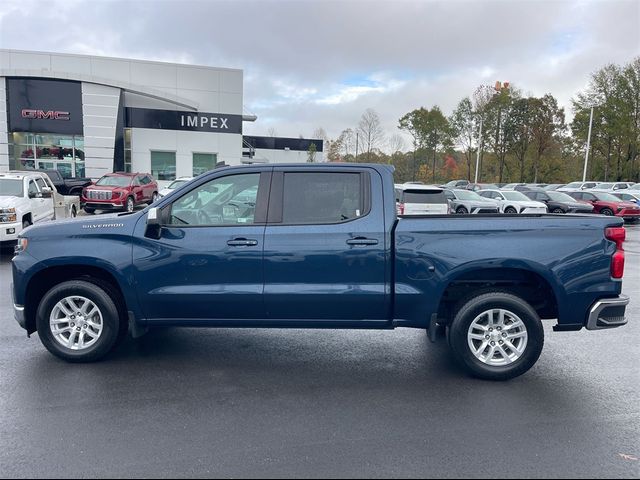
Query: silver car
point(466, 201)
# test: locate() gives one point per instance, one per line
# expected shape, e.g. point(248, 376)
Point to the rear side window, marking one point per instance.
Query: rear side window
point(145, 180)
point(424, 196)
point(316, 198)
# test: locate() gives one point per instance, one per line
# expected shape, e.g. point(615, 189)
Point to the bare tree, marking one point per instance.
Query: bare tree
point(370, 131)
point(395, 143)
point(348, 142)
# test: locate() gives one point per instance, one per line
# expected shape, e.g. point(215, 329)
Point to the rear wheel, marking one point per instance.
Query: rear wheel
point(496, 336)
point(510, 210)
point(462, 210)
point(557, 210)
point(78, 321)
point(607, 211)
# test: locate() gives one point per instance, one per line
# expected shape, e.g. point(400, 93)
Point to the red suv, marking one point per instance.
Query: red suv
point(119, 191)
point(607, 204)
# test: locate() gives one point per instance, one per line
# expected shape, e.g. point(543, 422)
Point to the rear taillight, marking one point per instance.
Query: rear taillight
point(617, 235)
point(400, 208)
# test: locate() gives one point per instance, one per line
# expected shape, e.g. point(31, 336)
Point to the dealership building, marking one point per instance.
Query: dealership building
point(87, 116)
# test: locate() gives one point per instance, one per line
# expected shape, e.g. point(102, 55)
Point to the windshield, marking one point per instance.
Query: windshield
point(10, 187)
point(606, 197)
point(560, 197)
point(114, 181)
point(176, 184)
point(468, 195)
point(573, 185)
point(515, 196)
point(605, 185)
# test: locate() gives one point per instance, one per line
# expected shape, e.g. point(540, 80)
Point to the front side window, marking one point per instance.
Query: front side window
point(229, 200)
point(33, 190)
point(163, 165)
point(316, 198)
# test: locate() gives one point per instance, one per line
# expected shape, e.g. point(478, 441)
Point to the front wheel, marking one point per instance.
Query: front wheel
point(496, 336)
point(78, 321)
point(510, 210)
point(130, 204)
point(607, 211)
point(462, 211)
point(154, 197)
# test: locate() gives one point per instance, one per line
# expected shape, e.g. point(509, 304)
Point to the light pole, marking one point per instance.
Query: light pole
point(586, 154)
point(478, 155)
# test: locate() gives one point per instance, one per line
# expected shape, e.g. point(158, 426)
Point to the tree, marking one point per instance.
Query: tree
point(395, 143)
point(519, 124)
point(414, 123)
point(547, 123)
point(370, 131)
point(311, 153)
point(464, 130)
point(499, 129)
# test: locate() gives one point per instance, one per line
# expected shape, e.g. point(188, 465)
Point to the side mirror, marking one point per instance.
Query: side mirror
point(46, 192)
point(153, 227)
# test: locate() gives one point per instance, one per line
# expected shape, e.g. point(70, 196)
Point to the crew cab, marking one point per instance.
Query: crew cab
point(318, 246)
point(27, 198)
point(120, 191)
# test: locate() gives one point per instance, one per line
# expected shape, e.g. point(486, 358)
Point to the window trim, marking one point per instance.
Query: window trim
point(276, 200)
point(262, 198)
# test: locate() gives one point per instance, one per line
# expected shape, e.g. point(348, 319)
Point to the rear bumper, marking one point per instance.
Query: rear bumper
point(608, 313)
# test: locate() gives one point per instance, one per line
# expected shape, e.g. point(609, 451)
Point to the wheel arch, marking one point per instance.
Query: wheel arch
point(43, 280)
point(531, 284)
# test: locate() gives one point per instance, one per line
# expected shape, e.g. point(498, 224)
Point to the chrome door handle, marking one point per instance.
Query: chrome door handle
point(242, 242)
point(362, 241)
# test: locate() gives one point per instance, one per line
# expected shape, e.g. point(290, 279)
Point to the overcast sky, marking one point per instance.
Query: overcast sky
point(310, 64)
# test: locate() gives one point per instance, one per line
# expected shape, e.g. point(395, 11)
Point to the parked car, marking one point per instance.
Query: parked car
point(482, 186)
point(612, 186)
point(465, 201)
point(510, 201)
point(559, 202)
point(120, 191)
point(323, 248)
point(28, 198)
point(608, 204)
point(456, 184)
point(413, 199)
point(512, 186)
point(577, 186)
point(631, 196)
point(178, 182)
point(66, 186)
point(553, 186)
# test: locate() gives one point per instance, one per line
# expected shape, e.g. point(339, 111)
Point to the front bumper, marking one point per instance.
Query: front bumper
point(608, 313)
point(104, 206)
point(533, 210)
point(18, 310)
point(10, 231)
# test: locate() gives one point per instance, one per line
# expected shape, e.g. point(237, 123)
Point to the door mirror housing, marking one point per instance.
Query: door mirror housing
point(46, 192)
point(154, 226)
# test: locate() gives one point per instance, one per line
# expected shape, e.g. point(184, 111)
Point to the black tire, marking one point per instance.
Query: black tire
point(510, 210)
point(154, 197)
point(111, 330)
point(130, 205)
point(607, 211)
point(557, 210)
point(90, 211)
point(462, 211)
point(74, 212)
point(465, 315)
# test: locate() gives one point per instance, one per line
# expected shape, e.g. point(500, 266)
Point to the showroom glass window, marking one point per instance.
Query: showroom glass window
point(65, 153)
point(203, 162)
point(163, 165)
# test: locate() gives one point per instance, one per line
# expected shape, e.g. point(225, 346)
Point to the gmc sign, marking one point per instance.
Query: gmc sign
point(41, 114)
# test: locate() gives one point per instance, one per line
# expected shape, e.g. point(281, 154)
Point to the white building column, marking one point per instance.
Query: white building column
point(4, 138)
point(100, 116)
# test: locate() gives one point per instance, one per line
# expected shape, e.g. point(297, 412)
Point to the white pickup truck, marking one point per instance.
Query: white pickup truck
point(27, 198)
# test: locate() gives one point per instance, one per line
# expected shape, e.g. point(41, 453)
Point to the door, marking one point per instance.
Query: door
point(137, 189)
point(207, 263)
point(324, 251)
point(42, 208)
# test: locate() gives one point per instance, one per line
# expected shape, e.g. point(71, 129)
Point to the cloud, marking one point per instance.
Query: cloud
point(322, 63)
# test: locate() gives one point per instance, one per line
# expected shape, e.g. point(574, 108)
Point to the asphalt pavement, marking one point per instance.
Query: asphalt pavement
point(312, 403)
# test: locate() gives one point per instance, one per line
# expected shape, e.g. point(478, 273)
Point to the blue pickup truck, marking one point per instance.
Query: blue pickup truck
point(318, 246)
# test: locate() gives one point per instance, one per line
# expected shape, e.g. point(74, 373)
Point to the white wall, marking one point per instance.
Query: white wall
point(284, 156)
point(99, 116)
point(227, 146)
point(4, 146)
